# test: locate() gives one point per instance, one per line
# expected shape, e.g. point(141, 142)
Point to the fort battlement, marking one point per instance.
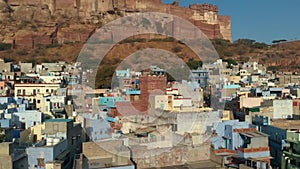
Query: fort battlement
point(204, 7)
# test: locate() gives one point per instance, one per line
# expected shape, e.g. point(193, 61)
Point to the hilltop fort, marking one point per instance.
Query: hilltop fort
point(26, 23)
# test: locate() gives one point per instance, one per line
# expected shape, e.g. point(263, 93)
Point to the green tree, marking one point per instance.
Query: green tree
point(245, 41)
point(104, 76)
point(192, 64)
point(231, 61)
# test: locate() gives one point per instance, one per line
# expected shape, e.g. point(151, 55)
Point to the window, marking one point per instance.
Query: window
point(41, 162)
point(38, 101)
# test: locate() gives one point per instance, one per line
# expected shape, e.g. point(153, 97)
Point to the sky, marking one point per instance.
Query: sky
point(260, 20)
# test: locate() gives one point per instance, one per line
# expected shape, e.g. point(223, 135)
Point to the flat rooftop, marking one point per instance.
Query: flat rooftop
point(205, 164)
point(59, 120)
point(252, 134)
point(286, 124)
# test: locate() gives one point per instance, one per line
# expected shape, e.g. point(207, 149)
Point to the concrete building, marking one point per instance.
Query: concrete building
point(5, 66)
point(251, 67)
point(149, 84)
point(162, 102)
point(33, 134)
point(234, 79)
point(291, 153)
point(30, 90)
point(288, 79)
point(98, 129)
point(296, 109)
point(277, 131)
point(109, 102)
point(104, 154)
point(230, 91)
point(172, 103)
point(63, 139)
point(123, 73)
point(283, 109)
point(53, 105)
point(10, 158)
point(227, 115)
point(250, 145)
point(26, 67)
point(46, 151)
point(188, 91)
point(155, 70)
point(250, 102)
point(8, 76)
point(295, 91)
point(27, 118)
point(53, 68)
point(201, 77)
point(65, 128)
point(277, 136)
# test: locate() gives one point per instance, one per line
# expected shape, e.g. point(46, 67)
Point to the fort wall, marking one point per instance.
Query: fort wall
point(205, 16)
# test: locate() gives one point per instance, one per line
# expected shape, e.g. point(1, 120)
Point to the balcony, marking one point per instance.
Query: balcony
point(292, 155)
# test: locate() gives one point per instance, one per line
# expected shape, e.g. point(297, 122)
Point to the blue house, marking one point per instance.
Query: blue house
point(109, 102)
point(5, 123)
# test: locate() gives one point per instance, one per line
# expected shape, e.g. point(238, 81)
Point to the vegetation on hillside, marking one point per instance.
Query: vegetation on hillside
point(279, 56)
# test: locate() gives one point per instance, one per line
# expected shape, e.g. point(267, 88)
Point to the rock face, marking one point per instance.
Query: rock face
point(27, 23)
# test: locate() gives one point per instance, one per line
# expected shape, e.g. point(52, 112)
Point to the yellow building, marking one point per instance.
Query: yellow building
point(6, 151)
point(227, 115)
point(30, 90)
point(33, 134)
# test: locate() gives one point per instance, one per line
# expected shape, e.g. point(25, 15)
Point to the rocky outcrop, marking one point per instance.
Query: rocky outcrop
point(30, 22)
point(5, 11)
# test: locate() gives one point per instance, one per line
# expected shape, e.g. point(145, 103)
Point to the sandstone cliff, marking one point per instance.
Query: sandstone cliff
point(27, 23)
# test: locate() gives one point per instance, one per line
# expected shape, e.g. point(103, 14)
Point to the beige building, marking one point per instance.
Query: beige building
point(227, 115)
point(54, 164)
point(171, 103)
point(10, 158)
point(6, 151)
point(33, 134)
point(5, 67)
point(250, 102)
point(244, 72)
point(30, 90)
point(234, 79)
point(104, 154)
point(50, 104)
